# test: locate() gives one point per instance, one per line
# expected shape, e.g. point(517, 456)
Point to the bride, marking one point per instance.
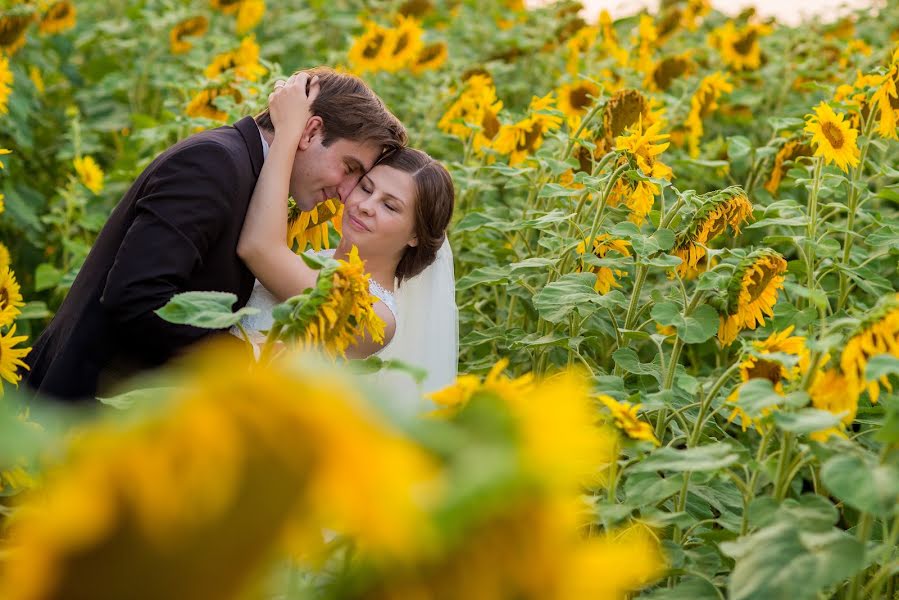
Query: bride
point(396, 216)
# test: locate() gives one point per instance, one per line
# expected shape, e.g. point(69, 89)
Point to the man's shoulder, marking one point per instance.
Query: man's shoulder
point(214, 142)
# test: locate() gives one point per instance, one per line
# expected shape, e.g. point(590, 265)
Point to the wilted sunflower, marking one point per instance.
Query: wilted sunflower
point(751, 293)
point(739, 48)
point(11, 358)
point(370, 51)
point(13, 25)
point(667, 70)
point(89, 172)
point(475, 105)
point(766, 362)
point(10, 297)
point(242, 63)
point(877, 334)
point(311, 228)
point(520, 140)
point(831, 391)
point(333, 314)
point(622, 111)
point(702, 104)
point(430, 57)
point(249, 15)
point(58, 18)
point(406, 44)
point(625, 415)
point(229, 7)
point(6, 81)
point(886, 98)
point(193, 26)
point(718, 209)
point(203, 105)
point(834, 139)
point(575, 99)
point(606, 277)
point(789, 152)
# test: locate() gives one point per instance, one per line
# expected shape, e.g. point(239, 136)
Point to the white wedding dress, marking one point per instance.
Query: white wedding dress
point(426, 335)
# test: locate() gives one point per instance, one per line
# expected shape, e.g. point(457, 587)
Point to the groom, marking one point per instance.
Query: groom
point(176, 230)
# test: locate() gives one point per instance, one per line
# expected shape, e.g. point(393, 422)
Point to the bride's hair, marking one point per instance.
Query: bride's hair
point(434, 199)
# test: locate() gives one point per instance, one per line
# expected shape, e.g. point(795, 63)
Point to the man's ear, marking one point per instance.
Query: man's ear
point(314, 127)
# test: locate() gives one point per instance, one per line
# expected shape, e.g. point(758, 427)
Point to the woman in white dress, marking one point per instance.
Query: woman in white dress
point(396, 216)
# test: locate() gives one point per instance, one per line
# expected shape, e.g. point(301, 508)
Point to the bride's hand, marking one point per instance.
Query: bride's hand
point(290, 106)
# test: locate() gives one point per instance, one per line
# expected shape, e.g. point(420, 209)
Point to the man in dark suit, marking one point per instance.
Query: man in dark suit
point(176, 230)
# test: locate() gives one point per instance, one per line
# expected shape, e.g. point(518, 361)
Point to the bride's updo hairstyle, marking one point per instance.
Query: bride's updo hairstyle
point(434, 200)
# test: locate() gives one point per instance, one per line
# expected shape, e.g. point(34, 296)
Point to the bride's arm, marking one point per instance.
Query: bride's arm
point(263, 239)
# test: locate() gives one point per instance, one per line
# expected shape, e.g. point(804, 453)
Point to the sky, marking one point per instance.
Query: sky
point(786, 11)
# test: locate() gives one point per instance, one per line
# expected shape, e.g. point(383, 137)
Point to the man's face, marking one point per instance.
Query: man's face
point(320, 172)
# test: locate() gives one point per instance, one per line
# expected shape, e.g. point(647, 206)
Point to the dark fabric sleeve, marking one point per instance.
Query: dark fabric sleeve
point(185, 206)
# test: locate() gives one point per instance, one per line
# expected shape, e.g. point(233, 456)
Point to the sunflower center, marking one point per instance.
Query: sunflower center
point(59, 11)
point(401, 44)
point(745, 43)
point(4, 298)
point(669, 70)
point(580, 99)
point(373, 47)
point(833, 134)
point(429, 53)
point(623, 111)
point(756, 288)
point(531, 137)
point(490, 125)
point(11, 28)
point(766, 369)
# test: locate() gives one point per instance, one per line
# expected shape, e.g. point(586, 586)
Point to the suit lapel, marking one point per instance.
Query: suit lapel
point(251, 137)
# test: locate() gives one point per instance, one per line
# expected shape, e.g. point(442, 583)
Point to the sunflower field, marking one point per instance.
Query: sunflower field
point(676, 243)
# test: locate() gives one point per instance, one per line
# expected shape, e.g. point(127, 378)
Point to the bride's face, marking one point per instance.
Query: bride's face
point(379, 214)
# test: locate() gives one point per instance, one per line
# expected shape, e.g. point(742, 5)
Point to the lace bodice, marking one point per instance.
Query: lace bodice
point(263, 300)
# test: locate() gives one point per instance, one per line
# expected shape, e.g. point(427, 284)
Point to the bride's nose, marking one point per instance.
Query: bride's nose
point(367, 206)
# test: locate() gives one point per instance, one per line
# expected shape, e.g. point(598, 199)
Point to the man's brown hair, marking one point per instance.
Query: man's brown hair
point(350, 110)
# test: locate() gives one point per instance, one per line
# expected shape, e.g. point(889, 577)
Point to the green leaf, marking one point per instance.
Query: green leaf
point(490, 274)
point(862, 483)
point(784, 562)
point(34, 310)
point(881, 365)
point(373, 364)
point(806, 420)
point(572, 292)
point(129, 399)
point(209, 310)
point(690, 588)
point(702, 458)
point(628, 360)
point(756, 395)
point(46, 276)
point(700, 326)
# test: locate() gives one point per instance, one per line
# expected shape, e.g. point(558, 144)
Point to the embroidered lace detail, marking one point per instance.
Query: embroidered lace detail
point(383, 295)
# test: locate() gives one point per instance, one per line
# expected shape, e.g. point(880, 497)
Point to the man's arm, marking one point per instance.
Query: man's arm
point(186, 205)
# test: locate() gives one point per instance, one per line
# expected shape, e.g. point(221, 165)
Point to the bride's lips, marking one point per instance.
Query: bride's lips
point(356, 223)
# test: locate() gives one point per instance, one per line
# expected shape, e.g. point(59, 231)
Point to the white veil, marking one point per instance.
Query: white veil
point(427, 333)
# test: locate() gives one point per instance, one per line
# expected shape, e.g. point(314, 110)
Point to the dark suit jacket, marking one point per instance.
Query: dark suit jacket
point(175, 230)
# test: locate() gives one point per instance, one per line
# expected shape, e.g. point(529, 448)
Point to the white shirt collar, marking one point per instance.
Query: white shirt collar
point(264, 144)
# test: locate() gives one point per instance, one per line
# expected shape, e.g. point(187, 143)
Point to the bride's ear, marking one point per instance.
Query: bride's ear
point(413, 242)
point(313, 127)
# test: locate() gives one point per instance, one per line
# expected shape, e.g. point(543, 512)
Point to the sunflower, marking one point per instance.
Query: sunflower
point(406, 44)
point(621, 112)
point(520, 140)
point(477, 104)
point(5, 260)
point(642, 147)
point(10, 297)
point(877, 334)
point(242, 63)
point(193, 26)
point(335, 313)
point(579, 45)
point(2, 152)
point(789, 152)
point(6, 81)
point(58, 18)
point(575, 99)
point(702, 104)
point(203, 103)
point(430, 57)
point(831, 391)
point(228, 7)
point(455, 397)
point(11, 357)
point(751, 293)
point(666, 71)
point(644, 42)
point(886, 98)
point(249, 15)
point(625, 415)
point(90, 173)
point(606, 277)
point(767, 362)
point(609, 46)
point(739, 49)
point(13, 26)
point(311, 228)
point(693, 11)
point(371, 50)
point(719, 209)
point(416, 8)
point(834, 139)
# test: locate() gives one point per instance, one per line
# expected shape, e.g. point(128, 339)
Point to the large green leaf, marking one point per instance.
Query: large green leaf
point(702, 458)
point(209, 310)
point(806, 420)
point(571, 292)
point(696, 328)
point(862, 483)
point(691, 588)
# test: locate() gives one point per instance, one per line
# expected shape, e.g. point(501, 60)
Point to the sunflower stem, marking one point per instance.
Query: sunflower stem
point(812, 226)
point(864, 532)
point(706, 401)
point(781, 484)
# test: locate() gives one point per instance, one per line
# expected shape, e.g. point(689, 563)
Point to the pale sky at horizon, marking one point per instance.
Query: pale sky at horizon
point(786, 11)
